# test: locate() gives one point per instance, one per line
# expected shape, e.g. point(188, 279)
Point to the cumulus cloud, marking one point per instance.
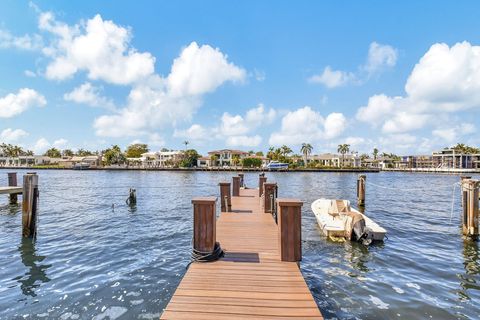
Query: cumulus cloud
point(89, 95)
point(452, 134)
point(196, 132)
point(244, 141)
point(99, 47)
point(25, 42)
point(161, 102)
point(42, 145)
point(307, 125)
point(10, 135)
point(380, 56)
point(332, 78)
point(15, 103)
point(445, 80)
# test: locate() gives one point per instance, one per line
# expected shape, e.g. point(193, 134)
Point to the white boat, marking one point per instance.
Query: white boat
point(338, 220)
point(275, 165)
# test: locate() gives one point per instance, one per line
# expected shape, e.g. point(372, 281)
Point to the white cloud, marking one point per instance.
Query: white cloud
point(259, 75)
point(332, 78)
point(379, 57)
point(15, 103)
point(60, 143)
point(90, 95)
point(195, 133)
point(25, 42)
point(41, 146)
point(163, 102)
point(12, 135)
point(445, 80)
point(244, 141)
point(453, 134)
point(199, 70)
point(30, 73)
point(307, 125)
point(97, 46)
point(156, 140)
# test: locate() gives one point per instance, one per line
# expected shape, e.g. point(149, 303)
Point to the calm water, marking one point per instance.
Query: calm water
point(90, 261)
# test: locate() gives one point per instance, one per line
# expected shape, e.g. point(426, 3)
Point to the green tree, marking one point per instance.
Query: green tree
point(306, 149)
point(53, 153)
point(343, 149)
point(285, 150)
point(235, 159)
point(213, 160)
point(375, 153)
point(190, 158)
point(136, 150)
point(186, 143)
point(67, 153)
point(259, 154)
point(114, 155)
point(252, 162)
point(83, 153)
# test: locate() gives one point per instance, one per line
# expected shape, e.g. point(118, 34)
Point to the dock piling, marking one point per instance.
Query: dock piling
point(225, 197)
point(361, 181)
point(290, 229)
point(132, 197)
point(462, 179)
point(204, 224)
point(235, 186)
point(470, 193)
point(261, 180)
point(29, 205)
point(12, 182)
point(269, 189)
point(242, 180)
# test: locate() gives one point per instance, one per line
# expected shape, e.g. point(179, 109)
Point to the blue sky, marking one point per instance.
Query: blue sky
point(402, 77)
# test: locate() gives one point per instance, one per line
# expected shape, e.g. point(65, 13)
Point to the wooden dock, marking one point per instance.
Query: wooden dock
point(251, 281)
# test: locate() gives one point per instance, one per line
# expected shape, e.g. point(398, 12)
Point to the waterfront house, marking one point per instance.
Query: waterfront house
point(336, 160)
point(449, 158)
point(160, 159)
point(220, 158)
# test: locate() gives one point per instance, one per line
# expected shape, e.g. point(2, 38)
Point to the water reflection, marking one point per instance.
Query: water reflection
point(36, 272)
point(471, 264)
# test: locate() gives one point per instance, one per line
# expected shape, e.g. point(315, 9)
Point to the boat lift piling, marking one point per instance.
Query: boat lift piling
point(470, 198)
point(361, 181)
point(12, 182)
point(29, 205)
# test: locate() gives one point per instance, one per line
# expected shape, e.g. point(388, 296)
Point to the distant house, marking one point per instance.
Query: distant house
point(336, 160)
point(93, 161)
point(379, 163)
point(452, 159)
point(160, 159)
point(220, 158)
point(24, 161)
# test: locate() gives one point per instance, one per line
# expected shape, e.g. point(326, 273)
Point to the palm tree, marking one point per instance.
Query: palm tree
point(306, 149)
point(213, 160)
point(285, 150)
point(375, 153)
point(235, 159)
point(186, 144)
point(343, 149)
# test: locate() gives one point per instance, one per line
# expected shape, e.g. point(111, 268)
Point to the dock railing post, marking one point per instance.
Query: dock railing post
point(361, 181)
point(29, 205)
point(225, 197)
point(269, 189)
point(235, 186)
point(289, 214)
point(204, 223)
point(12, 182)
point(261, 181)
point(242, 181)
point(470, 193)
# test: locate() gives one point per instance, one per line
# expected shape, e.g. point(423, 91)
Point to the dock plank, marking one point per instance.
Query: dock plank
point(250, 282)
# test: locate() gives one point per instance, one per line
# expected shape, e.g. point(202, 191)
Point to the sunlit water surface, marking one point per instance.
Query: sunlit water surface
point(90, 261)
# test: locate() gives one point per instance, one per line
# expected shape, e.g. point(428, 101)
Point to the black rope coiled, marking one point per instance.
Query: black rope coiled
point(200, 256)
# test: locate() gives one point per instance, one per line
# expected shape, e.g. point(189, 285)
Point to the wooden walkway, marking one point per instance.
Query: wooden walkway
point(250, 281)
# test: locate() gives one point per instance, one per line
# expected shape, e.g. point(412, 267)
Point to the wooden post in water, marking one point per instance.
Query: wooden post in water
point(242, 181)
point(29, 205)
point(269, 189)
point(261, 180)
point(462, 180)
point(236, 186)
point(470, 193)
point(289, 214)
point(12, 182)
point(225, 197)
point(132, 197)
point(204, 223)
point(361, 180)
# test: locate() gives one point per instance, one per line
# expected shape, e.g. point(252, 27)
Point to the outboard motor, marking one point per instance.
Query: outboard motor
point(355, 227)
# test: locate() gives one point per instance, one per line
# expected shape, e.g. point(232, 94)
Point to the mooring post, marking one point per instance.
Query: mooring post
point(236, 186)
point(12, 182)
point(204, 223)
point(289, 214)
point(462, 188)
point(29, 205)
point(225, 197)
point(269, 189)
point(132, 197)
point(470, 193)
point(361, 180)
point(261, 180)
point(242, 181)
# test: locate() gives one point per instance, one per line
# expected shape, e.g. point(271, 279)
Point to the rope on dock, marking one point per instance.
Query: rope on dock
point(201, 256)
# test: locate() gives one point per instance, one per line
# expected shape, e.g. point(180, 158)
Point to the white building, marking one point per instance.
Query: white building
point(160, 159)
point(220, 158)
point(336, 160)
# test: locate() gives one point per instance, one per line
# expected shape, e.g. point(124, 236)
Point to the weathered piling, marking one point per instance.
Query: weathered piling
point(470, 193)
point(225, 197)
point(261, 181)
point(29, 205)
point(361, 181)
point(132, 197)
point(269, 194)
point(242, 180)
point(204, 224)
point(235, 186)
point(289, 214)
point(12, 182)
point(462, 179)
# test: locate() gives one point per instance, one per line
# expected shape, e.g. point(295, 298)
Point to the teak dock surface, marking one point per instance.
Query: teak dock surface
point(251, 281)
